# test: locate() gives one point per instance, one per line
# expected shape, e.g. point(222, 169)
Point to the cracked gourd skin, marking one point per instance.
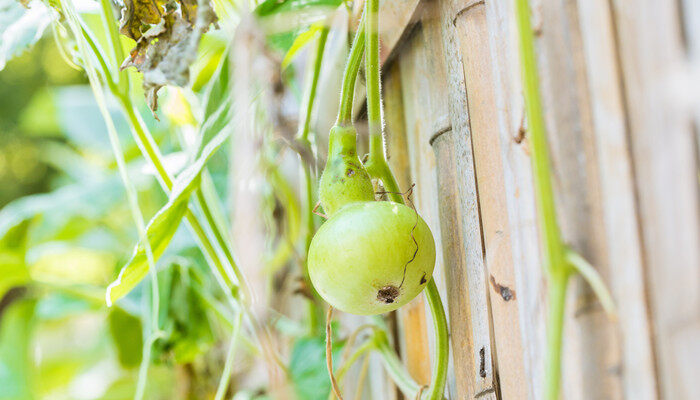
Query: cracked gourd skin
point(357, 258)
point(344, 179)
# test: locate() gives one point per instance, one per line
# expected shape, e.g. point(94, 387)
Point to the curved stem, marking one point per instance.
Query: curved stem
point(347, 92)
point(395, 368)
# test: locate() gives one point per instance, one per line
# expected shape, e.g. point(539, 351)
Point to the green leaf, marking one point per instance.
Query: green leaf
point(162, 227)
point(13, 270)
point(217, 104)
point(272, 7)
point(126, 332)
point(308, 367)
point(183, 316)
point(300, 42)
point(21, 27)
point(284, 20)
point(16, 367)
point(158, 232)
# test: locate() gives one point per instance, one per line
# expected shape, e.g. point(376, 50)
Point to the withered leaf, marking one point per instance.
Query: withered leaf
point(138, 14)
point(167, 43)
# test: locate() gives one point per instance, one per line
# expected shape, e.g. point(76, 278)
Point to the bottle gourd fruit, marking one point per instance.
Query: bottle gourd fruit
point(369, 257)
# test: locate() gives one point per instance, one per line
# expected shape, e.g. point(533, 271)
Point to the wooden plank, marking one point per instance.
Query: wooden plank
point(473, 36)
point(426, 101)
point(664, 149)
point(518, 189)
point(618, 200)
point(413, 322)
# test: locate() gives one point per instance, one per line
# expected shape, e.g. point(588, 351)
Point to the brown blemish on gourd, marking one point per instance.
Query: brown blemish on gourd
point(350, 172)
point(422, 279)
point(388, 294)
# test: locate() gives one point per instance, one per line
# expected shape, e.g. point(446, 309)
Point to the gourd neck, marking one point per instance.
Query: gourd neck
point(342, 141)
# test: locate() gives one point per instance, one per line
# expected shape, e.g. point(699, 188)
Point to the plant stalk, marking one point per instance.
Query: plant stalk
point(555, 264)
point(347, 92)
point(314, 321)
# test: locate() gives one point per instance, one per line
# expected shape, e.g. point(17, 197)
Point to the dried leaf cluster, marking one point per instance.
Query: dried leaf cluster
point(167, 35)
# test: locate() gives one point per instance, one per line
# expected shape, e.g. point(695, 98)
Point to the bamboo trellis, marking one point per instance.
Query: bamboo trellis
point(618, 83)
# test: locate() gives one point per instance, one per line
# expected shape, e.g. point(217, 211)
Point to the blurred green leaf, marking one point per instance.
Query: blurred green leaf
point(272, 7)
point(162, 227)
point(55, 305)
point(308, 367)
point(217, 104)
point(16, 368)
point(88, 199)
point(21, 27)
point(300, 42)
point(284, 20)
point(183, 316)
point(162, 385)
point(159, 232)
point(126, 332)
point(13, 270)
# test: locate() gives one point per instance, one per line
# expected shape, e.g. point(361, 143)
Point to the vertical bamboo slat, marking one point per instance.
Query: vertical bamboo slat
point(473, 34)
point(626, 269)
point(426, 102)
point(664, 149)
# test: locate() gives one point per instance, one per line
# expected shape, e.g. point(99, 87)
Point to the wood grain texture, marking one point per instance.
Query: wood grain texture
point(624, 254)
point(472, 344)
point(472, 29)
point(664, 149)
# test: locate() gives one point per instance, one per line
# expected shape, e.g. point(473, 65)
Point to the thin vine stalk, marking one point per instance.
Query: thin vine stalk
point(303, 137)
point(555, 264)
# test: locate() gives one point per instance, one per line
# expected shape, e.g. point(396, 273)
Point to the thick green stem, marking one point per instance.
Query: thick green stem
point(555, 264)
point(539, 151)
point(347, 92)
point(555, 328)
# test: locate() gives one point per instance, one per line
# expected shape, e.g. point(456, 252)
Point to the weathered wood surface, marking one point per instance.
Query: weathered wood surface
point(664, 149)
point(473, 36)
point(622, 112)
point(624, 255)
point(427, 110)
